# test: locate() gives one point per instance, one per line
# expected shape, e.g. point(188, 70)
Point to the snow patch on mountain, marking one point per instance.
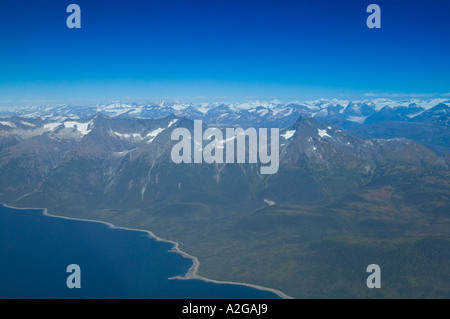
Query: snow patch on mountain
point(151, 135)
point(81, 127)
point(27, 124)
point(51, 126)
point(7, 124)
point(322, 133)
point(288, 134)
point(127, 136)
point(269, 202)
point(172, 123)
point(357, 119)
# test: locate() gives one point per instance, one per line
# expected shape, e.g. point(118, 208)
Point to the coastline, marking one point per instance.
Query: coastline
point(192, 272)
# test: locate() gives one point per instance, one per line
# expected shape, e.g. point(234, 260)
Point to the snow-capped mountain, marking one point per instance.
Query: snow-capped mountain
point(425, 121)
point(356, 111)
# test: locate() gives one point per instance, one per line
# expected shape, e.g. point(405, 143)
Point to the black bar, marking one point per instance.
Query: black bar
point(202, 308)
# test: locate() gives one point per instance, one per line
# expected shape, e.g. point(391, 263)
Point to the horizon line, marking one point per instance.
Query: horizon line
point(203, 100)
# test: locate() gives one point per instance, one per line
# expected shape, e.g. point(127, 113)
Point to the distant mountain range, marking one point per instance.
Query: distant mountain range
point(354, 111)
point(425, 121)
point(358, 183)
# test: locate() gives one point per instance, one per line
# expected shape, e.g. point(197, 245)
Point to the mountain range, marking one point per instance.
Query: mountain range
point(359, 183)
point(425, 121)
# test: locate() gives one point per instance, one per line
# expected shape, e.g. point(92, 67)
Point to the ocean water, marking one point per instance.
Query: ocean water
point(35, 251)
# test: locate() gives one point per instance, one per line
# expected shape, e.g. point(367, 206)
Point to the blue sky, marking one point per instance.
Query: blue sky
point(210, 50)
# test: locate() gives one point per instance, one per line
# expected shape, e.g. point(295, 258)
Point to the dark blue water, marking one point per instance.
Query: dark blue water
point(35, 251)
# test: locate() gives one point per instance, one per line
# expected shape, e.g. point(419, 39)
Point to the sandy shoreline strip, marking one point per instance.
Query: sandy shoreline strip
point(192, 272)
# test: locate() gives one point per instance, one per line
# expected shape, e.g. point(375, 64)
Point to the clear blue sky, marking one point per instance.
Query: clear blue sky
point(193, 50)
